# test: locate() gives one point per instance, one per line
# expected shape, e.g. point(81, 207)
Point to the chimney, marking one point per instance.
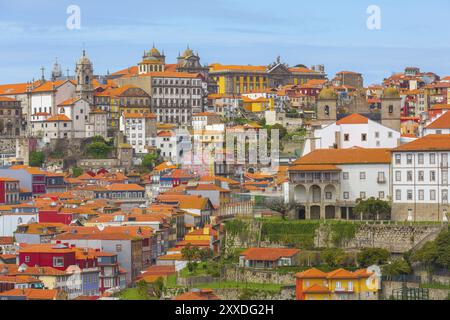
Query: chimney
point(58, 242)
point(73, 246)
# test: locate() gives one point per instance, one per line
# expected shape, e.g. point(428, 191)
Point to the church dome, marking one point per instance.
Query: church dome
point(154, 52)
point(187, 53)
point(391, 93)
point(327, 93)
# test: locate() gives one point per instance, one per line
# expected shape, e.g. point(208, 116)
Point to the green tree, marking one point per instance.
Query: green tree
point(76, 172)
point(371, 256)
point(443, 250)
point(334, 257)
point(191, 254)
point(158, 287)
point(37, 159)
point(373, 209)
point(98, 150)
point(396, 268)
point(279, 205)
point(151, 160)
point(142, 289)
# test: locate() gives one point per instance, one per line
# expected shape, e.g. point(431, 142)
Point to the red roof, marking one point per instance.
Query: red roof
point(443, 122)
point(353, 119)
point(268, 254)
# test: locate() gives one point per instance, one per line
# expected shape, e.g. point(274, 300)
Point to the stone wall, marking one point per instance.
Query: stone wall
point(258, 276)
point(421, 212)
point(287, 293)
point(397, 238)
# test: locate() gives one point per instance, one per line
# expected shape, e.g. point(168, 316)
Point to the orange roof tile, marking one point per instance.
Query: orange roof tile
point(33, 294)
point(317, 289)
point(443, 122)
point(438, 142)
point(308, 168)
point(311, 274)
point(345, 156)
point(353, 119)
point(268, 254)
point(341, 274)
point(59, 117)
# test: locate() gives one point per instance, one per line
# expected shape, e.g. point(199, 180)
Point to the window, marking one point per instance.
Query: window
point(409, 158)
point(346, 195)
point(58, 262)
point(381, 195)
point(445, 196)
point(409, 195)
point(377, 135)
point(362, 195)
point(350, 286)
point(390, 135)
point(432, 176)
point(398, 176)
point(421, 158)
point(409, 176)
point(345, 176)
point(27, 258)
point(421, 195)
point(364, 137)
point(328, 195)
point(362, 176)
point(346, 137)
point(398, 195)
point(398, 159)
point(433, 195)
point(432, 158)
point(118, 248)
point(421, 176)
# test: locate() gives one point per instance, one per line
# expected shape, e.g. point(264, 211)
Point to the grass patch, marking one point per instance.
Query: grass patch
point(436, 285)
point(134, 294)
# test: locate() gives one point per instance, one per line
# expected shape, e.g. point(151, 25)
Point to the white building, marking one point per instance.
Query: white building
point(174, 145)
point(327, 183)
point(46, 97)
point(440, 124)
point(140, 130)
point(206, 119)
point(352, 131)
point(420, 179)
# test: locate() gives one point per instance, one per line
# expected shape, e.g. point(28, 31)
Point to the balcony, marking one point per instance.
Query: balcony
point(381, 180)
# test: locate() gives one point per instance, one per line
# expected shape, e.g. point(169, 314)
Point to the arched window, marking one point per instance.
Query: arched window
point(86, 80)
point(327, 110)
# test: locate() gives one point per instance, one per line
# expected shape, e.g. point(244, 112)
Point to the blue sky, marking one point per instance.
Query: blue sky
point(333, 33)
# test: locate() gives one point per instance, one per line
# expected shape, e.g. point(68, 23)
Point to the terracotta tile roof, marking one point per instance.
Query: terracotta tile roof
point(69, 102)
point(346, 156)
point(341, 274)
point(268, 254)
point(438, 142)
point(362, 273)
point(353, 119)
point(204, 294)
point(6, 99)
point(139, 115)
point(50, 85)
point(167, 74)
point(443, 122)
point(317, 289)
point(128, 71)
point(164, 166)
point(311, 167)
point(185, 201)
point(59, 117)
point(45, 248)
point(165, 134)
point(311, 274)
point(13, 270)
point(33, 294)
point(159, 271)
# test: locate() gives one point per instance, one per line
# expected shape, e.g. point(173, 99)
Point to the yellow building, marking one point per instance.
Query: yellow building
point(340, 284)
point(257, 105)
point(238, 79)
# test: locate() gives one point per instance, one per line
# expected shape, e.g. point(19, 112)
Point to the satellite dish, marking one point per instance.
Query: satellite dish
point(101, 227)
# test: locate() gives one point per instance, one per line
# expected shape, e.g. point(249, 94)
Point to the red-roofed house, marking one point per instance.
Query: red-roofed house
point(268, 258)
point(352, 131)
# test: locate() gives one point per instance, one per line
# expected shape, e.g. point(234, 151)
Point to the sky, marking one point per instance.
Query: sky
point(334, 33)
